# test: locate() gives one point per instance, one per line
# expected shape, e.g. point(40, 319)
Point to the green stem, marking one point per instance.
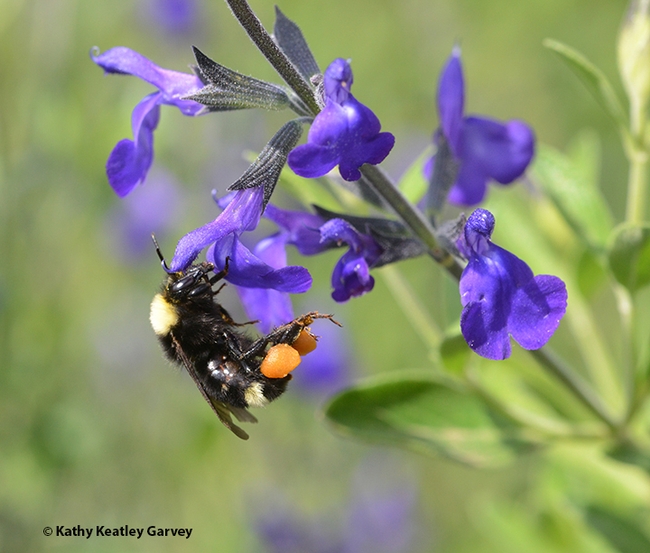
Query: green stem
point(412, 217)
point(637, 155)
point(276, 57)
point(579, 387)
point(637, 187)
point(419, 318)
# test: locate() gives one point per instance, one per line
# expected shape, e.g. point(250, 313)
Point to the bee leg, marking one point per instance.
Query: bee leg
point(221, 274)
point(285, 334)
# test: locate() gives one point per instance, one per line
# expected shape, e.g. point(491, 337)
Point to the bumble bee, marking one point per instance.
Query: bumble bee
point(231, 370)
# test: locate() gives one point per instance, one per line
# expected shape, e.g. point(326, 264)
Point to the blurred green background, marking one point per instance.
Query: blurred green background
point(95, 427)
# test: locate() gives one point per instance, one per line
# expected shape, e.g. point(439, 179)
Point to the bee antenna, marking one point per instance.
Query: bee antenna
point(160, 255)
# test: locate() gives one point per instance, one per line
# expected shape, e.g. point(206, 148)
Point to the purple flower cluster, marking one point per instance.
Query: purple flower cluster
point(485, 149)
point(499, 293)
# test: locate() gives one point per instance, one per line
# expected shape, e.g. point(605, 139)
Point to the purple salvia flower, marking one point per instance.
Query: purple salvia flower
point(485, 149)
point(130, 160)
point(351, 276)
point(245, 269)
point(270, 307)
point(311, 235)
point(267, 305)
point(345, 133)
point(501, 297)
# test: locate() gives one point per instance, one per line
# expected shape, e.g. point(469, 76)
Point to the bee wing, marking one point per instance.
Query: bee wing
point(221, 409)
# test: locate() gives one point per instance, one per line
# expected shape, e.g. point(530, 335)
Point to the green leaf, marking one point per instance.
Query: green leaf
point(593, 78)
point(629, 255)
point(622, 533)
point(454, 351)
point(418, 413)
point(627, 453)
point(591, 272)
point(413, 184)
point(570, 185)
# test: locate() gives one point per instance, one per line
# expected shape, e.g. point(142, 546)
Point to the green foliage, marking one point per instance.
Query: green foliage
point(570, 181)
point(424, 415)
point(629, 255)
point(593, 78)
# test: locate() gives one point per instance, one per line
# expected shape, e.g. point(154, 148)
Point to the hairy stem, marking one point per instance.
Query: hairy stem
point(262, 39)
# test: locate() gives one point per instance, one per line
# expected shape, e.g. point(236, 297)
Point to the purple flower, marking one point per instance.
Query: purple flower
point(245, 269)
point(501, 297)
point(485, 149)
point(175, 17)
point(345, 133)
point(130, 160)
point(351, 276)
point(270, 307)
point(311, 235)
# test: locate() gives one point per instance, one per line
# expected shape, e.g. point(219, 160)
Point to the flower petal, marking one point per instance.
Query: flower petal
point(351, 277)
point(470, 186)
point(130, 160)
point(537, 309)
point(172, 84)
point(373, 151)
point(502, 151)
point(501, 297)
point(451, 100)
point(241, 214)
point(246, 269)
point(270, 307)
point(337, 81)
point(312, 161)
point(345, 133)
point(299, 228)
point(485, 331)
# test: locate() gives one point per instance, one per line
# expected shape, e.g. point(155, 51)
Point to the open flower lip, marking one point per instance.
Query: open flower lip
point(502, 298)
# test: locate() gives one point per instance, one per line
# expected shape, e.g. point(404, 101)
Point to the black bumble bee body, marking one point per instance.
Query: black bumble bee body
point(196, 332)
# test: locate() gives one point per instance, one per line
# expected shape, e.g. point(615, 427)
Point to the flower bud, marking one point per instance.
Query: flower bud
point(634, 54)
